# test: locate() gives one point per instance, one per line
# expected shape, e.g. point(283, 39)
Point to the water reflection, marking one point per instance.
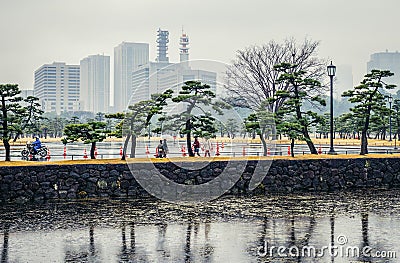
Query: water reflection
point(4, 253)
point(227, 230)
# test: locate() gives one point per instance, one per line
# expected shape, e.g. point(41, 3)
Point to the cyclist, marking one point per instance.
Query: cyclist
point(36, 145)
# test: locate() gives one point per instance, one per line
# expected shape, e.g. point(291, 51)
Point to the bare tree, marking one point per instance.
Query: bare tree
point(252, 75)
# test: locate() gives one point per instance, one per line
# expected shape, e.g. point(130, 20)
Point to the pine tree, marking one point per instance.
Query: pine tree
point(369, 101)
point(292, 120)
point(199, 97)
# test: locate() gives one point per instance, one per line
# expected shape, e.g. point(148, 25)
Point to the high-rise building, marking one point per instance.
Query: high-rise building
point(25, 93)
point(386, 61)
point(162, 45)
point(184, 49)
point(343, 81)
point(57, 87)
point(145, 79)
point(156, 77)
point(127, 58)
point(95, 83)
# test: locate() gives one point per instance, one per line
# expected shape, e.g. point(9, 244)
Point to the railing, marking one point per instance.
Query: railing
point(177, 154)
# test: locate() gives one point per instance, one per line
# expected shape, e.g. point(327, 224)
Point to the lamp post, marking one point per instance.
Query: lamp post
point(331, 73)
point(396, 108)
point(390, 99)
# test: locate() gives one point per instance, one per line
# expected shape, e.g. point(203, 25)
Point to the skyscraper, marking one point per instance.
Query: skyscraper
point(156, 77)
point(145, 77)
point(127, 58)
point(95, 83)
point(386, 61)
point(57, 87)
point(162, 45)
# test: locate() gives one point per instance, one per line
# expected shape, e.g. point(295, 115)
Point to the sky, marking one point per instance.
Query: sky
point(40, 32)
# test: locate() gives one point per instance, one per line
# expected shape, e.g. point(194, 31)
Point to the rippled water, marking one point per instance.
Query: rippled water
point(231, 229)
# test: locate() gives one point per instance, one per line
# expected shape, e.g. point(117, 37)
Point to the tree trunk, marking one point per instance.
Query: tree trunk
point(292, 147)
point(310, 144)
point(7, 147)
point(274, 133)
point(364, 142)
point(5, 134)
point(264, 144)
point(364, 138)
point(92, 149)
point(128, 137)
point(188, 139)
point(133, 146)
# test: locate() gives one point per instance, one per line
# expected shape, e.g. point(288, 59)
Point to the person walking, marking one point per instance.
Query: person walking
point(196, 146)
point(160, 150)
point(166, 151)
point(207, 147)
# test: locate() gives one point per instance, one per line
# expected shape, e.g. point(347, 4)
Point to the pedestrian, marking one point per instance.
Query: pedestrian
point(196, 146)
point(160, 150)
point(207, 147)
point(166, 151)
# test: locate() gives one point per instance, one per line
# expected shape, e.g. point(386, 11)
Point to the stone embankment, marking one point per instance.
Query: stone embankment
point(70, 181)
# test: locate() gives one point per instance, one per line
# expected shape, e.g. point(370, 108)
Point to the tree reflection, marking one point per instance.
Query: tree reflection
point(332, 222)
point(124, 255)
point(208, 250)
point(133, 239)
point(299, 242)
point(132, 253)
point(162, 230)
point(4, 253)
point(187, 243)
point(91, 242)
point(83, 254)
point(364, 231)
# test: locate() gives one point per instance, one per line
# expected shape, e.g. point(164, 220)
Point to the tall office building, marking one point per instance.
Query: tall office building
point(386, 61)
point(25, 93)
point(127, 58)
point(343, 81)
point(156, 77)
point(57, 87)
point(95, 83)
point(145, 79)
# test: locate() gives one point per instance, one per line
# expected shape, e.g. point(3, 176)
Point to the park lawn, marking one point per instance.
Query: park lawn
point(317, 142)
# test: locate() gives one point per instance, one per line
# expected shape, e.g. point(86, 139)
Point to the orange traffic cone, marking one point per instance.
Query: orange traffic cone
point(48, 154)
point(288, 150)
point(147, 149)
point(217, 153)
point(183, 150)
point(268, 152)
point(244, 151)
point(156, 155)
point(85, 154)
point(222, 145)
point(120, 151)
point(65, 152)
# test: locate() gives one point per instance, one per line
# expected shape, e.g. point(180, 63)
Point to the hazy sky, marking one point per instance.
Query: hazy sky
point(37, 32)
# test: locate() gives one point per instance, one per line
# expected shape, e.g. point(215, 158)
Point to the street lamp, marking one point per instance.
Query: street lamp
point(396, 134)
point(390, 99)
point(331, 73)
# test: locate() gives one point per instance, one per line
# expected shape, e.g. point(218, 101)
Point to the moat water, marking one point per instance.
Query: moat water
point(230, 229)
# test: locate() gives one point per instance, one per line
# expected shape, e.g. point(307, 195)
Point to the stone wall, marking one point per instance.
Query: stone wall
point(44, 182)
